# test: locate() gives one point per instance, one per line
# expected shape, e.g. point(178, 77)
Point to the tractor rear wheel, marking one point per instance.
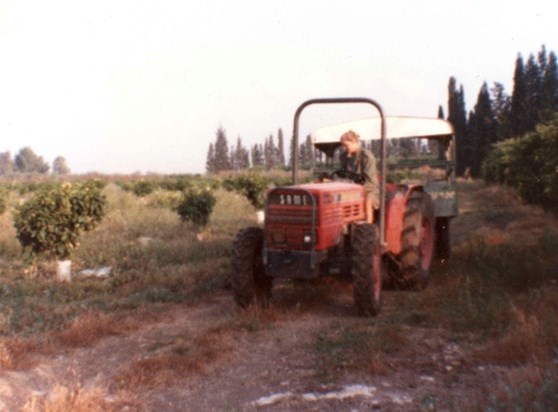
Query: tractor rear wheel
point(417, 242)
point(248, 278)
point(367, 278)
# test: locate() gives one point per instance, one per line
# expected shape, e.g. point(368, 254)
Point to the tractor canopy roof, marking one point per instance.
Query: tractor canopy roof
point(396, 127)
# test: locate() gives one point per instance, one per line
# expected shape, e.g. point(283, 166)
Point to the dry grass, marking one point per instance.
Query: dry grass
point(16, 353)
point(89, 327)
point(533, 334)
point(181, 356)
point(81, 399)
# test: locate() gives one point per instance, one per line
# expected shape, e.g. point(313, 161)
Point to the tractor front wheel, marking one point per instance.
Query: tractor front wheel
point(417, 242)
point(367, 278)
point(248, 278)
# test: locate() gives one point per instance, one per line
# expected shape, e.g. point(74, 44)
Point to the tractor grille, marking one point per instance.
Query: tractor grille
point(292, 215)
point(289, 229)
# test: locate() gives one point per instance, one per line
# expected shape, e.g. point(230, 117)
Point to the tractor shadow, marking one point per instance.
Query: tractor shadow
point(326, 297)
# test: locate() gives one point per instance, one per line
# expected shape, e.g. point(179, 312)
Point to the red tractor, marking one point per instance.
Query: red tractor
point(317, 229)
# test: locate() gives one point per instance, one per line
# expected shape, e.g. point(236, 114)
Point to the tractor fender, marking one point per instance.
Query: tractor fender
point(394, 216)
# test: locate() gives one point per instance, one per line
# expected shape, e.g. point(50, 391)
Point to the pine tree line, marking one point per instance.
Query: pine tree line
point(267, 155)
point(498, 116)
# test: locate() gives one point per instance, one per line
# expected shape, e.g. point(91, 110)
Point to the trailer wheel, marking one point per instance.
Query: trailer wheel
point(248, 278)
point(367, 279)
point(417, 242)
point(443, 245)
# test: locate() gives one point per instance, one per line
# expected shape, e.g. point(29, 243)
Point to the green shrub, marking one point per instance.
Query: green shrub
point(528, 163)
point(177, 183)
point(165, 199)
point(196, 205)
point(30, 187)
point(97, 183)
point(50, 222)
point(143, 188)
point(253, 186)
point(125, 185)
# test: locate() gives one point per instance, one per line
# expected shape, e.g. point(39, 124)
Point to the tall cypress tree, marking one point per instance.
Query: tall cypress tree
point(273, 152)
point(483, 131)
point(533, 82)
point(210, 162)
point(441, 112)
point(458, 118)
point(549, 97)
point(241, 156)
point(257, 156)
point(268, 153)
point(469, 148)
point(280, 148)
point(501, 104)
point(222, 160)
point(434, 146)
point(518, 111)
point(291, 151)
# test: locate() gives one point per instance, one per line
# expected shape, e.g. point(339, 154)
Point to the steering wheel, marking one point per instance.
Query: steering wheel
point(346, 174)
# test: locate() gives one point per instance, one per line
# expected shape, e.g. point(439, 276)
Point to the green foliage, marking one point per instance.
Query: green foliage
point(50, 222)
point(165, 199)
point(196, 205)
point(125, 185)
point(30, 187)
point(143, 188)
point(253, 186)
point(177, 183)
point(529, 163)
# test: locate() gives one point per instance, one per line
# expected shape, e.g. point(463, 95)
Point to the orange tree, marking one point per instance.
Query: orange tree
point(50, 223)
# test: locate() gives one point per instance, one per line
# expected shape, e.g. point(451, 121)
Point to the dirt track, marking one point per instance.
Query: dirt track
point(271, 369)
point(270, 361)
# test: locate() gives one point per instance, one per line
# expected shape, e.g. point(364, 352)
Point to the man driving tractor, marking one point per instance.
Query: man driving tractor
point(357, 159)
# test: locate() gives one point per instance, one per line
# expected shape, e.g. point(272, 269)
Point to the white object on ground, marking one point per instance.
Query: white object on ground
point(64, 270)
point(101, 272)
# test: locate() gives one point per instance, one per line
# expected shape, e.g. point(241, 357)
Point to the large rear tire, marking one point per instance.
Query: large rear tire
point(367, 278)
point(417, 242)
point(248, 279)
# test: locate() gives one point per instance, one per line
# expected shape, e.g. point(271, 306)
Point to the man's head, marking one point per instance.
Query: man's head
point(350, 142)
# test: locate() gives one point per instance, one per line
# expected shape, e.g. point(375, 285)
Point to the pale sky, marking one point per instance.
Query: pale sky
point(127, 85)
